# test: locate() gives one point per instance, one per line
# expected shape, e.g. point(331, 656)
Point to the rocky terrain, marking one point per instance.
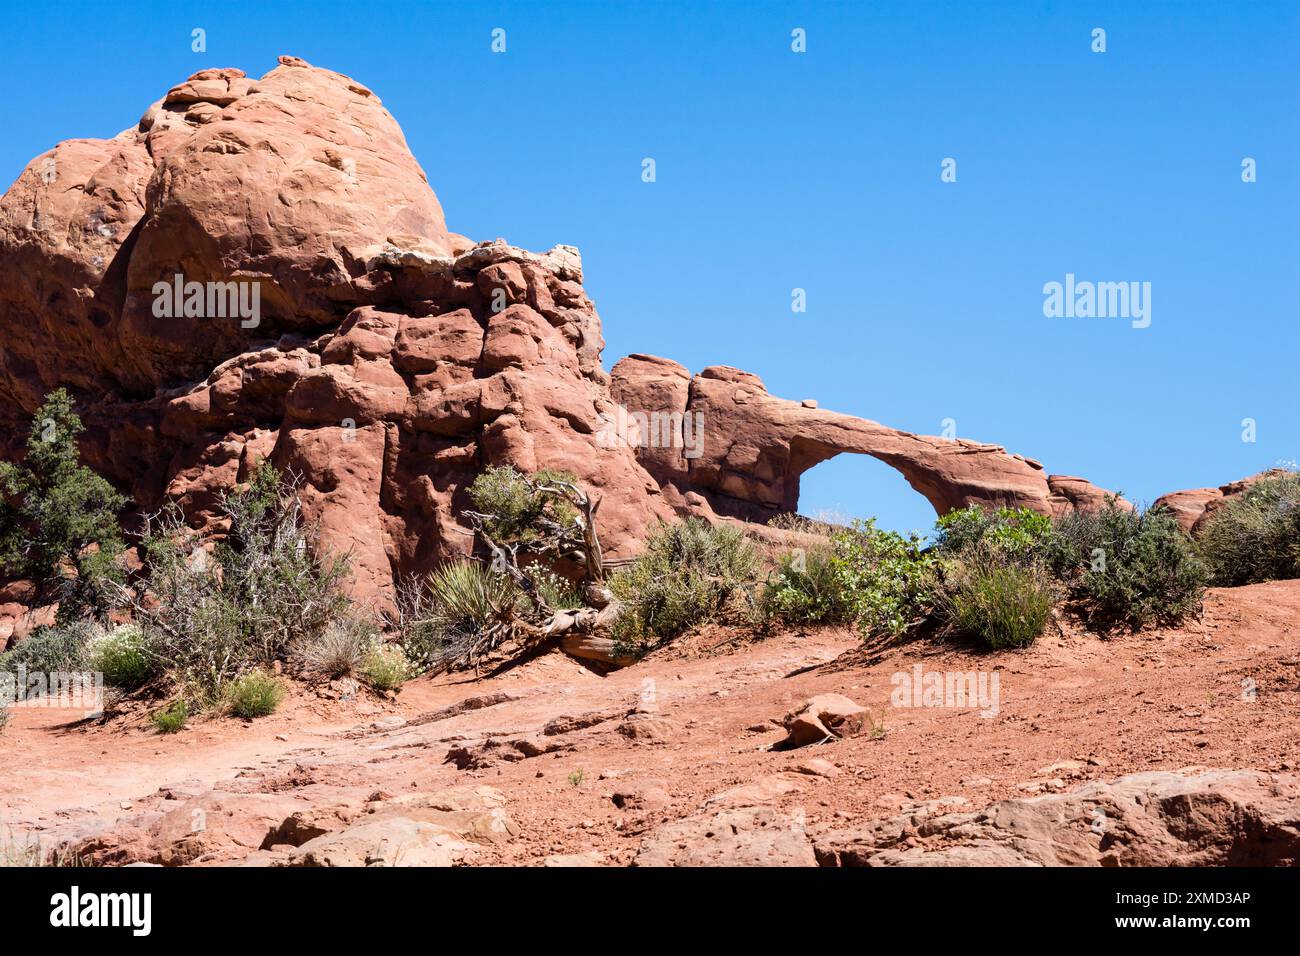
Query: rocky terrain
point(1118, 753)
point(387, 362)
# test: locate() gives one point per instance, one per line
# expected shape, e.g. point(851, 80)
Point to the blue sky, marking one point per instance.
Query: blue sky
point(821, 171)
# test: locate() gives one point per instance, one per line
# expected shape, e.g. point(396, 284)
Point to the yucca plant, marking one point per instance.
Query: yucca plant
point(458, 614)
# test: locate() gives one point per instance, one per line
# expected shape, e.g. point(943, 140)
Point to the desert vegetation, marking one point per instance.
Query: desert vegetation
point(689, 573)
point(206, 621)
point(58, 519)
point(216, 621)
point(1255, 536)
point(1000, 577)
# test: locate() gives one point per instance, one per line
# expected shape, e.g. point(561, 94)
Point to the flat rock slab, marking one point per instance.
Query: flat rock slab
point(1161, 818)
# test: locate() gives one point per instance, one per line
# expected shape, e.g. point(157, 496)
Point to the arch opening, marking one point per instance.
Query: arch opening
point(850, 485)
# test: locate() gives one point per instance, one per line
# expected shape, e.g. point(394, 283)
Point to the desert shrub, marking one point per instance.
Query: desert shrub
point(997, 599)
point(1018, 533)
point(121, 655)
point(888, 578)
point(451, 608)
point(514, 508)
point(252, 694)
point(1255, 536)
point(58, 519)
point(172, 717)
point(49, 650)
point(337, 651)
point(264, 589)
point(1127, 568)
point(689, 573)
point(384, 667)
point(806, 588)
point(4, 713)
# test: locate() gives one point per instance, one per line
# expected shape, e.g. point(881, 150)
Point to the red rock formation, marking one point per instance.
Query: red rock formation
point(1194, 506)
point(755, 447)
point(391, 360)
point(388, 361)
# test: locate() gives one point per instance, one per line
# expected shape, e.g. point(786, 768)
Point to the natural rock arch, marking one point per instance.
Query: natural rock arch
point(756, 447)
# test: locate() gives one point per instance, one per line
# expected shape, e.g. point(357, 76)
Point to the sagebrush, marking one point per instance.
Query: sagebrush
point(264, 588)
point(1127, 567)
point(1255, 535)
point(689, 573)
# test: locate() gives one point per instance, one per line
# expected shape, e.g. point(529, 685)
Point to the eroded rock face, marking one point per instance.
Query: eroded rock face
point(390, 360)
point(387, 360)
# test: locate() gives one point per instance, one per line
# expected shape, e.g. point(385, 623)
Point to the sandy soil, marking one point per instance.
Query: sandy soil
point(1222, 692)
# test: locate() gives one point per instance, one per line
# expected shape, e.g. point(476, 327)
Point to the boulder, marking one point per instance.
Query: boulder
point(824, 717)
point(743, 836)
point(444, 828)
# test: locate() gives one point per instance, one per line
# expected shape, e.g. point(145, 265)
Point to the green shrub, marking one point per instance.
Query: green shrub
point(1128, 568)
point(337, 651)
point(1255, 535)
point(4, 714)
point(121, 655)
point(253, 694)
point(1019, 533)
point(806, 589)
point(263, 590)
point(58, 519)
point(172, 717)
point(890, 581)
point(997, 600)
point(689, 573)
point(514, 507)
point(385, 667)
point(49, 650)
point(443, 614)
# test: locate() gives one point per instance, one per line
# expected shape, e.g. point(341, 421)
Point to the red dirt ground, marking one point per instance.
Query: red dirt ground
point(1160, 700)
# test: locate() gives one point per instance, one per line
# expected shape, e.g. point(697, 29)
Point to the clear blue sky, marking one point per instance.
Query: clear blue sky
point(821, 170)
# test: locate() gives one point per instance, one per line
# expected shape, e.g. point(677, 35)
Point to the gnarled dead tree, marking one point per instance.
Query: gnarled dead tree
point(560, 526)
